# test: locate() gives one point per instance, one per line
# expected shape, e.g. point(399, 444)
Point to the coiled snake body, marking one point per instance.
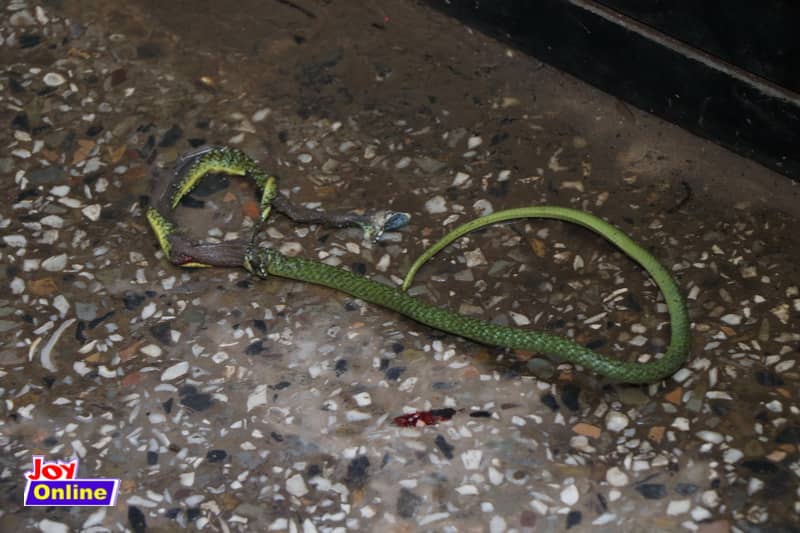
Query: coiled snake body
point(265, 262)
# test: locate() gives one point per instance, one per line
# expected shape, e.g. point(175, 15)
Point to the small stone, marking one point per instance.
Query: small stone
point(616, 421)
point(257, 397)
point(497, 524)
point(175, 371)
point(15, 241)
point(296, 486)
point(92, 212)
point(436, 205)
point(652, 491)
point(85, 311)
point(616, 477)
point(731, 319)
point(710, 436)
point(216, 456)
point(474, 142)
point(362, 399)
point(260, 115)
point(678, 507)
point(54, 79)
point(570, 495)
point(408, 503)
point(55, 263)
point(587, 430)
point(472, 459)
point(151, 350)
point(186, 479)
point(475, 258)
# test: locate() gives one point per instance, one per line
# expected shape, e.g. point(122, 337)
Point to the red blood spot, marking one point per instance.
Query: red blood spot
point(424, 418)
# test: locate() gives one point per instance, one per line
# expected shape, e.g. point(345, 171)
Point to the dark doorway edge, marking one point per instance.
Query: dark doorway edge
point(651, 70)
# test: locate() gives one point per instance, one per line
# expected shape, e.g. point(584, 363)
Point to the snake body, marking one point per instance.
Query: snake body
point(265, 262)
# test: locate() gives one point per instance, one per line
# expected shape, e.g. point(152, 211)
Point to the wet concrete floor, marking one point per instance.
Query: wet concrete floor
point(226, 403)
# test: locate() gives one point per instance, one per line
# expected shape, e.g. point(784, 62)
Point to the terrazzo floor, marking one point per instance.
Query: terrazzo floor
point(227, 403)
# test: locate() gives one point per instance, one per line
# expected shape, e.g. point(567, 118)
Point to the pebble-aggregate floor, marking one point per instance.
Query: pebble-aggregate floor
point(226, 403)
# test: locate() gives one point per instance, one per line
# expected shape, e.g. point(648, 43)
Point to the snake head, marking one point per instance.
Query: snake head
point(381, 222)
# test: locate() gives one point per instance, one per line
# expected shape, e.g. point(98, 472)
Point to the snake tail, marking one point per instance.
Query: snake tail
point(264, 262)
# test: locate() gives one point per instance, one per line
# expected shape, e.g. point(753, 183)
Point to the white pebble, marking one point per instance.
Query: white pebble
point(49, 526)
point(92, 212)
point(570, 495)
point(472, 459)
point(467, 490)
point(362, 399)
point(732, 320)
point(260, 115)
point(257, 397)
point(616, 421)
point(497, 524)
point(55, 263)
point(495, 476)
point(732, 455)
point(17, 286)
point(436, 205)
point(710, 436)
point(678, 507)
point(151, 350)
point(54, 79)
point(483, 207)
point(356, 416)
point(53, 221)
point(187, 479)
point(460, 179)
point(754, 485)
point(403, 163)
point(474, 142)
point(616, 477)
point(681, 423)
point(296, 486)
point(61, 304)
point(475, 258)
point(148, 310)
point(700, 513)
point(175, 371)
point(519, 319)
point(304, 158)
point(15, 241)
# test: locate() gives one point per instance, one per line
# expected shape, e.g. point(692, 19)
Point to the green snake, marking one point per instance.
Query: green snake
point(265, 262)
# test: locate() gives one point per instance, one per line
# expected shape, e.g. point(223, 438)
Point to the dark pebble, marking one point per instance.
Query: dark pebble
point(550, 401)
point(394, 373)
point(132, 300)
point(569, 396)
point(171, 136)
point(196, 142)
point(136, 519)
point(595, 344)
point(216, 456)
point(768, 379)
point(281, 385)
point(652, 491)
point(29, 40)
point(313, 470)
point(21, 122)
point(172, 513)
point(50, 442)
point(408, 503)
point(398, 347)
point(47, 176)
point(685, 489)
point(760, 466)
point(192, 513)
point(573, 518)
point(445, 447)
point(340, 367)
point(167, 405)
point(260, 325)
point(443, 385)
point(447, 412)
point(255, 348)
point(480, 414)
point(99, 320)
point(359, 268)
point(152, 458)
point(790, 435)
point(199, 401)
point(277, 437)
point(244, 284)
point(148, 51)
point(357, 472)
point(79, 330)
point(161, 332)
point(118, 76)
point(94, 130)
point(350, 306)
